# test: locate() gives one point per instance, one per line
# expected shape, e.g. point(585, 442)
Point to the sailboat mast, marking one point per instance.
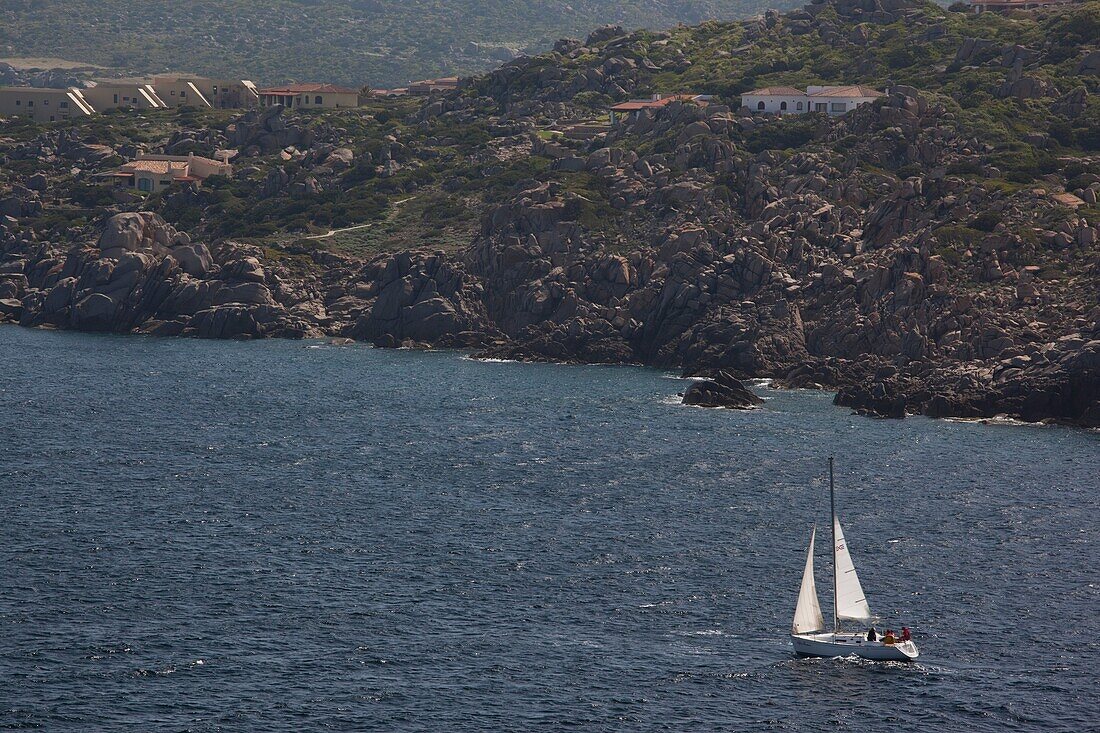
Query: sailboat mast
point(832, 524)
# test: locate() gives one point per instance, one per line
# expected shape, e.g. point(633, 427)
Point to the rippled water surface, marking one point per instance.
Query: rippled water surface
point(289, 536)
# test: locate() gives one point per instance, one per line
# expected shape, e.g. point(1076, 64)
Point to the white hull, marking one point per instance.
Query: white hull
point(828, 644)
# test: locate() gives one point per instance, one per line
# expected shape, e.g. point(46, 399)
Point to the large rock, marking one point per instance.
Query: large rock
point(722, 390)
point(248, 269)
point(134, 232)
point(194, 259)
point(1090, 64)
point(94, 312)
point(430, 319)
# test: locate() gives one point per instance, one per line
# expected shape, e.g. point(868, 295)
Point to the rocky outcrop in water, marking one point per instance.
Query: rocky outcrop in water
point(143, 276)
point(722, 389)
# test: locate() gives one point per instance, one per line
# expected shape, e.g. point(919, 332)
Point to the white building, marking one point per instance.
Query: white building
point(791, 101)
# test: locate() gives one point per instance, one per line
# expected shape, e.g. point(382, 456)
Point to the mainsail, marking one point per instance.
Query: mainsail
point(851, 605)
point(807, 614)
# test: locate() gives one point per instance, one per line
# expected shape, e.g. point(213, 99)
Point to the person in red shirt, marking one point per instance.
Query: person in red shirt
point(905, 635)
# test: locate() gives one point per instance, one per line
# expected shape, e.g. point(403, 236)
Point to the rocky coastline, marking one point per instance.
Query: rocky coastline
point(870, 259)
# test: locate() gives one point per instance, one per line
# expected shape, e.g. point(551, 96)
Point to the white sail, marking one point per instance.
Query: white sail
point(807, 614)
point(851, 604)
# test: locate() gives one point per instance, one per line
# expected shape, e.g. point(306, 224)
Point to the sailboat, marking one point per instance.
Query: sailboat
point(808, 634)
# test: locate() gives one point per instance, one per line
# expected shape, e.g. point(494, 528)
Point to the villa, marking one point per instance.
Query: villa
point(44, 105)
point(835, 100)
point(152, 173)
point(309, 96)
point(630, 110)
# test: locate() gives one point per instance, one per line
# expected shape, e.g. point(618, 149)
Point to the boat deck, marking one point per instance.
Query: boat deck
point(827, 644)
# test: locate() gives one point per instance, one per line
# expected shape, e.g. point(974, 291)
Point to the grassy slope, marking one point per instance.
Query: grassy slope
point(348, 41)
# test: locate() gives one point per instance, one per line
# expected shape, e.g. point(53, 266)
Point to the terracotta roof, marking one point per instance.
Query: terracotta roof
point(161, 167)
point(1068, 199)
point(636, 104)
point(855, 90)
point(309, 88)
point(775, 92)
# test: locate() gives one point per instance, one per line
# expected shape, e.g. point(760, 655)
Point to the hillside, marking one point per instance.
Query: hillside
point(354, 42)
point(935, 251)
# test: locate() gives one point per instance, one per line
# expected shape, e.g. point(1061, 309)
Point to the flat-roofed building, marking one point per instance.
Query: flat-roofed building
point(424, 87)
point(44, 105)
point(177, 90)
point(1003, 6)
point(152, 173)
point(309, 96)
point(130, 93)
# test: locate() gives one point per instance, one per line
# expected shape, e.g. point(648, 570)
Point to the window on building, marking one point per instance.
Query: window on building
point(760, 105)
point(45, 103)
point(30, 103)
point(51, 118)
point(63, 105)
point(316, 100)
point(821, 107)
point(799, 107)
point(183, 94)
point(145, 184)
point(18, 103)
point(839, 106)
point(173, 92)
point(783, 106)
point(116, 99)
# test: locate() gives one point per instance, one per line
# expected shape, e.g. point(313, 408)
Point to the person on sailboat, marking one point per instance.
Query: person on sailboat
point(905, 635)
point(872, 635)
point(889, 638)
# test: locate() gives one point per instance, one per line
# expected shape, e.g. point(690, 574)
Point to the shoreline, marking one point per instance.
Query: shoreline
point(760, 384)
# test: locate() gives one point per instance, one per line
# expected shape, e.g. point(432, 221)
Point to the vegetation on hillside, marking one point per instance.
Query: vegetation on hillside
point(345, 41)
point(450, 172)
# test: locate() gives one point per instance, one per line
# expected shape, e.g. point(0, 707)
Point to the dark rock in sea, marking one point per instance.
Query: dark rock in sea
point(874, 400)
point(721, 390)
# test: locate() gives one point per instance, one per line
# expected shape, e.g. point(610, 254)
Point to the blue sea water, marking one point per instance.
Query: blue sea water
point(289, 536)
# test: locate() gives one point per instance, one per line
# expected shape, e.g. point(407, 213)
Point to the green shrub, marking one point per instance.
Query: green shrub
point(986, 221)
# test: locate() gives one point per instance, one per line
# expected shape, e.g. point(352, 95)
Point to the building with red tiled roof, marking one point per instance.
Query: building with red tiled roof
point(150, 173)
point(832, 100)
point(309, 96)
point(632, 108)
